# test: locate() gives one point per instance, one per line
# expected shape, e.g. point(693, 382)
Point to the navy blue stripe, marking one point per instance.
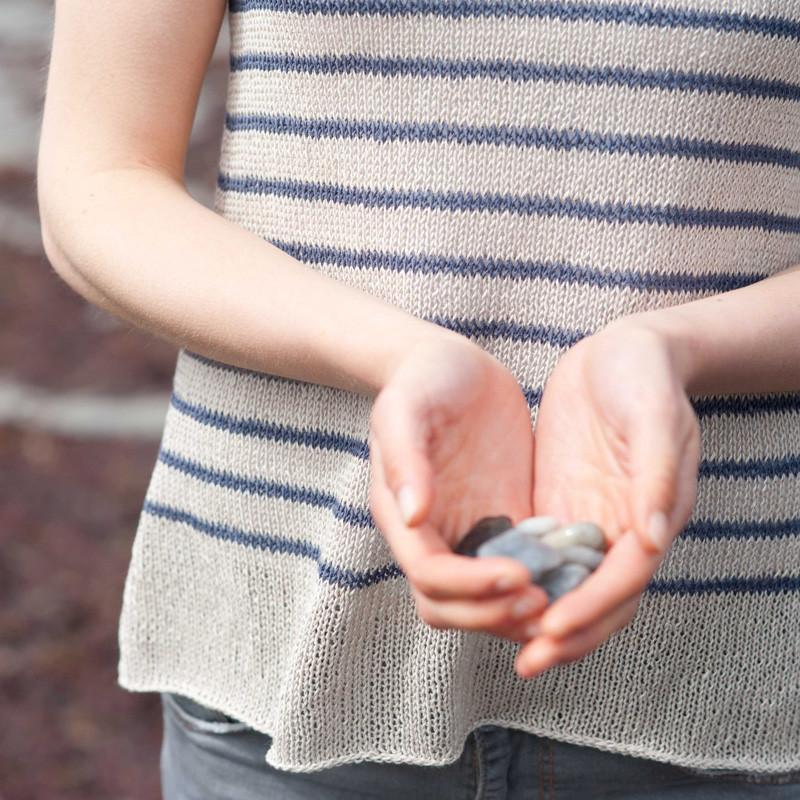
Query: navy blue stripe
point(490, 267)
point(703, 530)
point(328, 572)
point(519, 71)
point(744, 405)
point(723, 468)
point(517, 332)
point(618, 13)
point(529, 205)
point(709, 530)
point(352, 579)
point(765, 584)
point(788, 466)
point(259, 487)
point(212, 362)
point(738, 405)
point(261, 429)
point(516, 136)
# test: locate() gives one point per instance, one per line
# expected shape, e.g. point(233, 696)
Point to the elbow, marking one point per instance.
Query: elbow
point(48, 226)
point(52, 251)
point(55, 234)
point(62, 210)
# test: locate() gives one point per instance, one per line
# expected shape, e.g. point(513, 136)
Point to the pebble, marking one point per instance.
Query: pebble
point(558, 557)
point(578, 554)
point(564, 579)
point(582, 533)
point(537, 557)
point(537, 526)
point(482, 531)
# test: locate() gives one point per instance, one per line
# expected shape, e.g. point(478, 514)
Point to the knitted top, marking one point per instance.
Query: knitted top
point(522, 172)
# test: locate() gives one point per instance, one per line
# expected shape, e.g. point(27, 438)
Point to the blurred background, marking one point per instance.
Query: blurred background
point(82, 402)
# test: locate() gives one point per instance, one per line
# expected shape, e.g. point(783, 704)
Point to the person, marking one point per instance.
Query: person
point(464, 259)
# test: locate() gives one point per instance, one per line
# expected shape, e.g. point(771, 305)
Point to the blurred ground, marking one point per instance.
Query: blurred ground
point(69, 504)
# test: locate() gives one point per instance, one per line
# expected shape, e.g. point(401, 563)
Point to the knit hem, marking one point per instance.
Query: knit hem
point(790, 771)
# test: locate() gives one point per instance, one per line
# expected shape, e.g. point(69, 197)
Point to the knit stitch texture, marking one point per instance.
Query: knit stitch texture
point(522, 172)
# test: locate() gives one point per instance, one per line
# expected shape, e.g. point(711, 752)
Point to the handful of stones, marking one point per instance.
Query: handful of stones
point(558, 557)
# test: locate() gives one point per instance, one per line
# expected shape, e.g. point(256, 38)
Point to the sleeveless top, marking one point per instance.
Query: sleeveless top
point(522, 172)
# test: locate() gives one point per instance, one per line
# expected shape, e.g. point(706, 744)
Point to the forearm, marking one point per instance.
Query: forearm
point(134, 242)
point(739, 342)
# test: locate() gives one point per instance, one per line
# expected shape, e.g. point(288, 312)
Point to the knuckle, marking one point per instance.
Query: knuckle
point(429, 616)
point(665, 487)
point(421, 580)
point(495, 622)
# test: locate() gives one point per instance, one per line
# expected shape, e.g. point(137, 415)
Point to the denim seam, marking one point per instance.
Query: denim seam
point(481, 771)
point(475, 769)
point(540, 761)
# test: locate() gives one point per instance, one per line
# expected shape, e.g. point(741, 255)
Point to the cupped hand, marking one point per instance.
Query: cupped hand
point(450, 442)
point(616, 442)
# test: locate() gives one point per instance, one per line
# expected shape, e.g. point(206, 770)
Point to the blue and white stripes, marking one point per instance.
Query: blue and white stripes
point(231, 438)
point(570, 11)
point(521, 172)
point(518, 136)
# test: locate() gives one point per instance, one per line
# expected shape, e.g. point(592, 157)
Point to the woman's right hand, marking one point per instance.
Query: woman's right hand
point(452, 425)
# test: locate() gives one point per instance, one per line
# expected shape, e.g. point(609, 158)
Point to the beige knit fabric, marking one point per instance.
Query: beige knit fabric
point(522, 172)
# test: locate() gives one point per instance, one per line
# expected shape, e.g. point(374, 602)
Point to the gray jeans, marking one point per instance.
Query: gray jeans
point(206, 755)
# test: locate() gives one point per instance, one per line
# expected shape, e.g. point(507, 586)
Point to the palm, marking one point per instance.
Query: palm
point(583, 461)
point(480, 442)
point(451, 426)
point(613, 426)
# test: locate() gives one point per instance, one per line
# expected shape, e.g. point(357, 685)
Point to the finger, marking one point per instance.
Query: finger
point(524, 630)
point(493, 615)
point(402, 431)
point(662, 449)
point(623, 574)
point(428, 561)
point(545, 652)
point(687, 494)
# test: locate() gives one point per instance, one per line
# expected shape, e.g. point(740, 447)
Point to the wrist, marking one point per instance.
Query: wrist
point(674, 334)
point(421, 335)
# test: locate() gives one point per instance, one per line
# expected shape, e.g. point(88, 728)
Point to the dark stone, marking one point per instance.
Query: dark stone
point(482, 531)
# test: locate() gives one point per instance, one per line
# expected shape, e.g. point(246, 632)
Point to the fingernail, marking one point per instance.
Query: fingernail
point(523, 607)
point(407, 501)
point(658, 531)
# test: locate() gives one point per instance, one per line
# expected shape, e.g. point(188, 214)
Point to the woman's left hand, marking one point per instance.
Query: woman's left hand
point(616, 442)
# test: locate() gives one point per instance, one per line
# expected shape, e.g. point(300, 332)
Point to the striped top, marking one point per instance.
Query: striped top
point(522, 172)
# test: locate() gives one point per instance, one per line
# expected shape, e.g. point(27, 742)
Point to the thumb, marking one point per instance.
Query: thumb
point(655, 461)
point(400, 431)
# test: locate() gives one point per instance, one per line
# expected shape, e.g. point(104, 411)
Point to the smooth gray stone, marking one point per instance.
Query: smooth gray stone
point(583, 533)
point(585, 556)
point(563, 580)
point(538, 558)
point(537, 526)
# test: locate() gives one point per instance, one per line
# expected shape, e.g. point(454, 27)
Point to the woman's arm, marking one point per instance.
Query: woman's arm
point(119, 226)
point(740, 342)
